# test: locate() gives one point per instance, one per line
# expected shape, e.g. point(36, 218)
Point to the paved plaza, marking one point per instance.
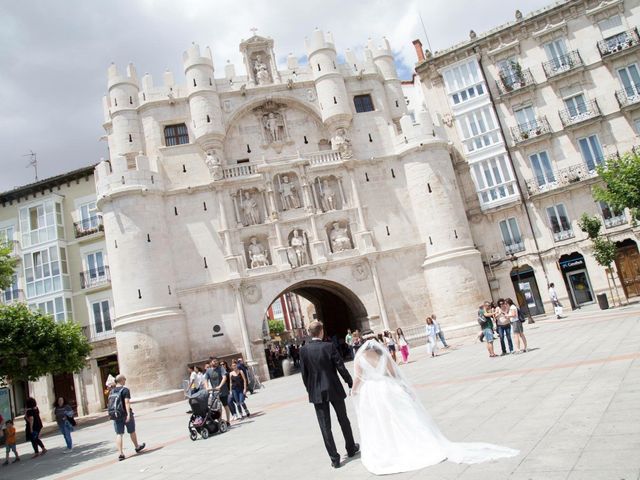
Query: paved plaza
point(571, 405)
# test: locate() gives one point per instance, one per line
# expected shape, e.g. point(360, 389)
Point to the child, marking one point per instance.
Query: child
point(10, 441)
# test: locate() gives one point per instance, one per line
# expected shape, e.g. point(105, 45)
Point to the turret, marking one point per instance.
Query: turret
point(384, 61)
point(332, 93)
point(204, 102)
point(122, 103)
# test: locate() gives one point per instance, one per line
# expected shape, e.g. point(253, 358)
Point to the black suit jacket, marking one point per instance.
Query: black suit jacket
point(320, 364)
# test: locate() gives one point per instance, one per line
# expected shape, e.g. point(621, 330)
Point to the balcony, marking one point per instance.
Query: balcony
point(628, 97)
point(615, 221)
point(560, 178)
point(13, 295)
point(559, 66)
point(323, 157)
point(95, 278)
point(238, 171)
point(512, 248)
point(563, 235)
point(527, 132)
point(88, 226)
point(573, 117)
point(622, 42)
point(515, 81)
point(96, 333)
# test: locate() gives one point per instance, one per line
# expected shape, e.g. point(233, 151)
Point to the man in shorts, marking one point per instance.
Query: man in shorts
point(127, 421)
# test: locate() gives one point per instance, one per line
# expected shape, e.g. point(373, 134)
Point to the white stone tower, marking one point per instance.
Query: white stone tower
point(383, 59)
point(122, 105)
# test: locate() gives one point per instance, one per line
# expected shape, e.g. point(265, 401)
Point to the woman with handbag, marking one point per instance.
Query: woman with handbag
point(65, 421)
point(516, 318)
point(33, 426)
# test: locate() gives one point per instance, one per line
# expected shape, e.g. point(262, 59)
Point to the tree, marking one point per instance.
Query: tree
point(276, 327)
point(621, 176)
point(7, 265)
point(32, 344)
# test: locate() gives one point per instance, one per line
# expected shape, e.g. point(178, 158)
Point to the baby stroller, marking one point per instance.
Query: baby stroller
point(206, 417)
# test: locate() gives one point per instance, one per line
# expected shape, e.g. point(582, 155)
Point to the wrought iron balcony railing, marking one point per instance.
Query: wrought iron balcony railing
point(527, 131)
point(561, 178)
point(95, 333)
point(95, 277)
point(619, 43)
point(574, 116)
point(563, 235)
point(562, 64)
point(615, 221)
point(628, 96)
point(88, 226)
point(510, 82)
point(512, 248)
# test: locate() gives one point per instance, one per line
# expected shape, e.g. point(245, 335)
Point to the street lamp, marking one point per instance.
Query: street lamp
point(514, 262)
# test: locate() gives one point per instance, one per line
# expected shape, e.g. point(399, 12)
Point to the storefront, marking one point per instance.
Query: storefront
point(576, 279)
point(527, 291)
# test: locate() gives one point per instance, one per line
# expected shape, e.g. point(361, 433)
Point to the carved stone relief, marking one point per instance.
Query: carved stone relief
point(339, 237)
point(298, 253)
point(258, 253)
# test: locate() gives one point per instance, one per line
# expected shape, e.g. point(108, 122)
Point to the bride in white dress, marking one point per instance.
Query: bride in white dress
point(396, 432)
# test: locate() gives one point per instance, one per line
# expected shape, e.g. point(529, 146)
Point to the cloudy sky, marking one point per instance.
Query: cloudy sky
point(54, 55)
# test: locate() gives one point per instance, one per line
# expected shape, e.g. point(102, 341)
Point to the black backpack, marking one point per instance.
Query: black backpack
point(521, 315)
point(115, 405)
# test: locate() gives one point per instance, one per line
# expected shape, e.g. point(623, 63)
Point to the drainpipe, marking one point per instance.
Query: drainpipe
point(513, 168)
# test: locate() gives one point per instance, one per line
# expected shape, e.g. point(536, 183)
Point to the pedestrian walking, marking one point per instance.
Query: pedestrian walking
point(239, 385)
point(485, 319)
point(553, 295)
point(119, 408)
point(64, 418)
point(10, 442)
point(33, 427)
point(390, 343)
point(245, 370)
point(439, 332)
point(217, 380)
point(348, 339)
point(430, 328)
point(403, 345)
point(503, 323)
point(517, 323)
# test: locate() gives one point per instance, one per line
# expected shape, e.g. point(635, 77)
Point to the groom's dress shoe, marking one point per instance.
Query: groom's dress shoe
point(356, 450)
point(335, 463)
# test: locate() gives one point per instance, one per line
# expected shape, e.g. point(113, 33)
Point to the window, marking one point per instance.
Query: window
point(41, 223)
point(559, 222)
point(96, 272)
point(11, 294)
point(612, 217)
point(511, 236)
point(101, 316)
point(7, 235)
point(464, 82)
point(363, 103)
point(591, 151)
point(176, 135)
point(478, 129)
point(55, 307)
point(630, 79)
point(610, 26)
point(576, 105)
point(526, 118)
point(636, 126)
point(89, 218)
point(541, 166)
point(494, 180)
point(43, 271)
point(556, 51)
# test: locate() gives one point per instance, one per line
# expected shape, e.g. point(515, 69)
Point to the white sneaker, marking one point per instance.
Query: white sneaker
point(66, 450)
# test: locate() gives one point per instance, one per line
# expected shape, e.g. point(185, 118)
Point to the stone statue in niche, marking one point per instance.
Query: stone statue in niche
point(342, 144)
point(261, 71)
point(213, 164)
point(249, 206)
point(299, 247)
point(273, 127)
point(257, 254)
point(328, 195)
point(288, 194)
point(339, 237)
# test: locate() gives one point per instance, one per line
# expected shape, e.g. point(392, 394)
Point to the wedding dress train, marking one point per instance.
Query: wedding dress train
point(396, 432)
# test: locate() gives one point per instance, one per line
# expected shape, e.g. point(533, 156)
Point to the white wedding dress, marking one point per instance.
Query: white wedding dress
point(396, 432)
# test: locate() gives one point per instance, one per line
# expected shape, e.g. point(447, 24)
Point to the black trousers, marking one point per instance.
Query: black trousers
point(324, 420)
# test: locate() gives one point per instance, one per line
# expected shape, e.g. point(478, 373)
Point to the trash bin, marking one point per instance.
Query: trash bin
point(603, 301)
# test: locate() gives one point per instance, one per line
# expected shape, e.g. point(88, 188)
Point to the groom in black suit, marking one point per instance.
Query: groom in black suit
point(320, 364)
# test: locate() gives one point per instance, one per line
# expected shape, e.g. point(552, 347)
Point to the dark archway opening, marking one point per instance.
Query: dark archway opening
point(337, 307)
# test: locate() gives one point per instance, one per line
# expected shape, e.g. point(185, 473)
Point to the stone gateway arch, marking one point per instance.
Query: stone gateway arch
point(220, 194)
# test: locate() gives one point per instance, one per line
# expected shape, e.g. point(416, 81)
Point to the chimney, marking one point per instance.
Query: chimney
point(419, 51)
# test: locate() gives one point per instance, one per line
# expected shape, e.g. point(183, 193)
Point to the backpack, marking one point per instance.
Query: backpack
point(521, 316)
point(115, 405)
point(482, 321)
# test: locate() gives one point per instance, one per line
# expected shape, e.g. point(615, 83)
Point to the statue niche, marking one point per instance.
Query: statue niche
point(273, 125)
point(249, 207)
point(257, 253)
point(329, 193)
point(288, 189)
point(298, 251)
point(261, 71)
point(339, 237)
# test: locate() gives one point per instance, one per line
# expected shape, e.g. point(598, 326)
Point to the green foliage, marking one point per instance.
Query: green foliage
point(276, 327)
point(590, 225)
point(7, 266)
point(32, 344)
point(604, 251)
point(622, 182)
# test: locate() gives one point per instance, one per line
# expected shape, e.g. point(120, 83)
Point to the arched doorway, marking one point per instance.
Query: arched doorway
point(628, 266)
point(576, 279)
point(526, 288)
point(336, 306)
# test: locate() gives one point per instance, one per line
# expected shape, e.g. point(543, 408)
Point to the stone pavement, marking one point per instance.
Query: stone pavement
point(570, 405)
